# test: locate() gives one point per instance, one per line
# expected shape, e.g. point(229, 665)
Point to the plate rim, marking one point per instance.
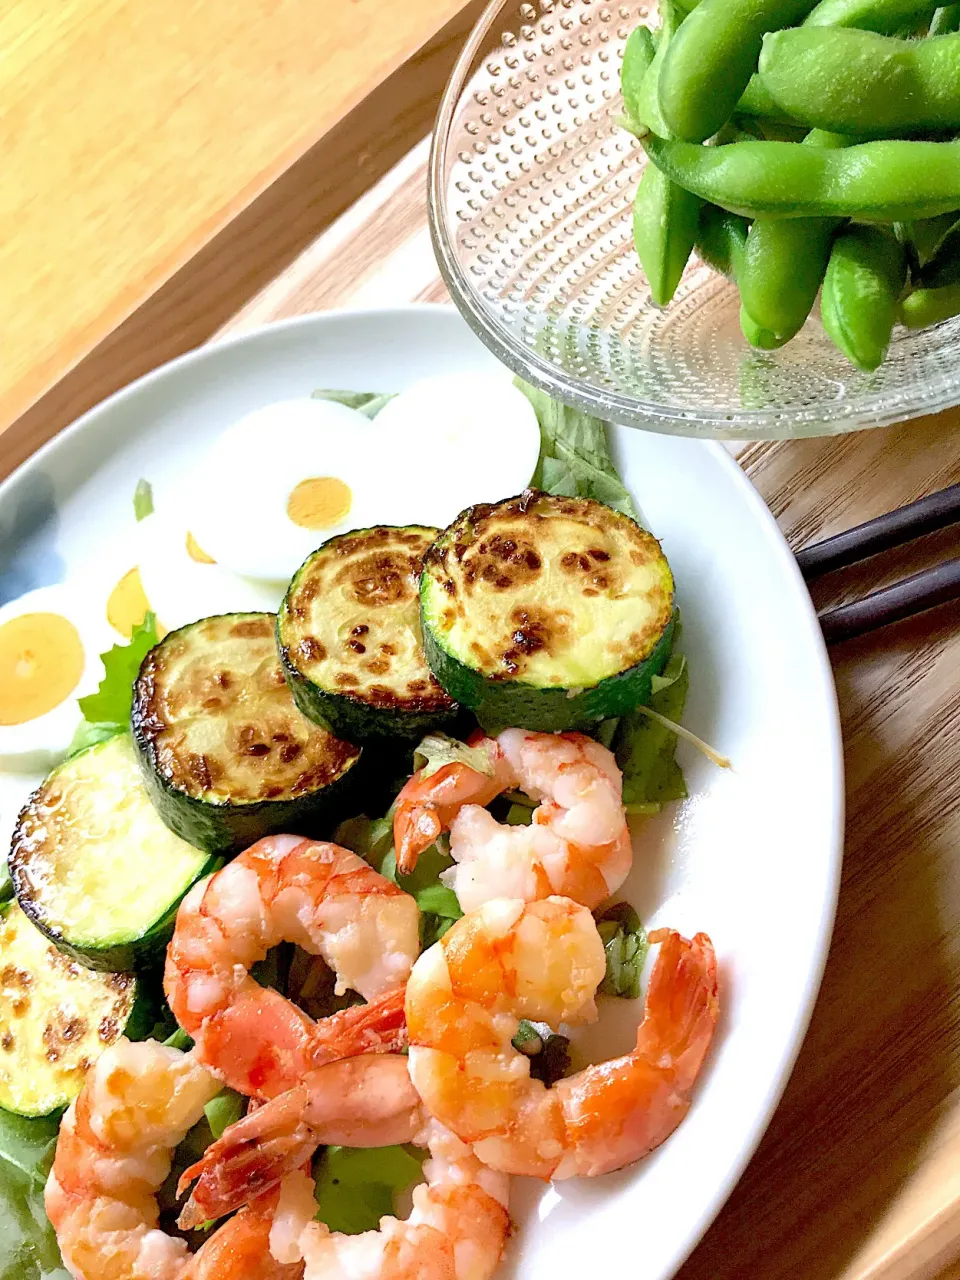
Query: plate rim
point(792, 579)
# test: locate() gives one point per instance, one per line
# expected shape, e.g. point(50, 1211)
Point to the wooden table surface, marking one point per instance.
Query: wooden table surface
point(858, 1176)
point(177, 154)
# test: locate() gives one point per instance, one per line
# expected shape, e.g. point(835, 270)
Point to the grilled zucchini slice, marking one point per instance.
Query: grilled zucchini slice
point(349, 637)
point(226, 755)
point(56, 1017)
point(546, 612)
point(92, 865)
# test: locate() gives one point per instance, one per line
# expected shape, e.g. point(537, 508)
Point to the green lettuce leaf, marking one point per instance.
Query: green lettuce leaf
point(224, 1110)
point(646, 750)
point(108, 710)
point(369, 403)
point(575, 456)
point(356, 1187)
point(28, 1246)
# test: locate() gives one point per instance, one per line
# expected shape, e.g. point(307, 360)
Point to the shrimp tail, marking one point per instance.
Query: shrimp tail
point(377, 1027)
point(682, 1005)
point(415, 828)
point(248, 1159)
point(427, 805)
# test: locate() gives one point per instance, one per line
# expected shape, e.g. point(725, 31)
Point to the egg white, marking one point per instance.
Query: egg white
point(40, 743)
point(180, 589)
point(236, 503)
point(454, 440)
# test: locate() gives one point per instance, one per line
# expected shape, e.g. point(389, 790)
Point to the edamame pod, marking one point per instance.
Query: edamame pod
point(885, 16)
point(872, 181)
point(664, 229)
point(925, 307)
point(784, 261)
point(921, 237)
point(646, 108)
point(945, 20)
point(756, 335)
point(637, 57)
point(864, 83)
point(711, 59)
point(861, 291)
point(720, 239)
point(943, 265)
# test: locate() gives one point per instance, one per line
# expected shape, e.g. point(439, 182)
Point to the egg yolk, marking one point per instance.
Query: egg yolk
point(127, 605)
point(319, 502)
point(41, 662)
point(196, 552)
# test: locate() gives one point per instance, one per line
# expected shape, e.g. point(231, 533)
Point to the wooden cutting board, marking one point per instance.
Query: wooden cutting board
point(858, 1177)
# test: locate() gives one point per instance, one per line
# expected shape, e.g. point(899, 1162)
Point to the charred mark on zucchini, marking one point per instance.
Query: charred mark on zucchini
point(56, 1018)
point(348, 632)
point(226, 754)
point(546, 612)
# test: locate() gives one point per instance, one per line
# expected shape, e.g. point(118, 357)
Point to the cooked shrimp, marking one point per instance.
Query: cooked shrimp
point(332, 904)
point(544, 961)
point(578, 845)
point(456, 1230)
point(114, 1152)
point(357, 1102)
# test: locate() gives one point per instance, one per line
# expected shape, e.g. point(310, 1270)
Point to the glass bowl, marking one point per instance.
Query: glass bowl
point(531, 188)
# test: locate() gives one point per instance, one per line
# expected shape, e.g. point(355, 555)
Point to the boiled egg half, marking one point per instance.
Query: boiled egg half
point(50, 645)
point(282, 480)
point(290, 475)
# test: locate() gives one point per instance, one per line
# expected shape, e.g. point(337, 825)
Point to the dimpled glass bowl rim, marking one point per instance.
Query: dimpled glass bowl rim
point(830, 417)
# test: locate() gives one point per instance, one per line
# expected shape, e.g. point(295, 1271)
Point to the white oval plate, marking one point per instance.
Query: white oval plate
point(752, 858)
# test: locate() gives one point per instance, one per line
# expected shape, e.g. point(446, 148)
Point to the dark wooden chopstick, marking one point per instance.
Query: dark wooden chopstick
point(903, 599)
point(922, 591)
point(927, 515)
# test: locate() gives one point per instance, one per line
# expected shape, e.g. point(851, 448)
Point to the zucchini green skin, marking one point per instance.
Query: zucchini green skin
point(221, 819)
point(501, 704)
point(43, 855)
point(529, 558)
point(367, 584)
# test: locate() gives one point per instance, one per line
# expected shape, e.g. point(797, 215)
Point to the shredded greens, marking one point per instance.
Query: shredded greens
point(372, 839)
point(107, 712)
point(549, 1053)
point(356, 1187)
point(625, 945)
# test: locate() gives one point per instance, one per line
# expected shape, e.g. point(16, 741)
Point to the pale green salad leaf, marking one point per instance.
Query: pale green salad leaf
point(369, 403)
point(575, 459)
point(356, 1187)
point(437, 750)
point(143, 500)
